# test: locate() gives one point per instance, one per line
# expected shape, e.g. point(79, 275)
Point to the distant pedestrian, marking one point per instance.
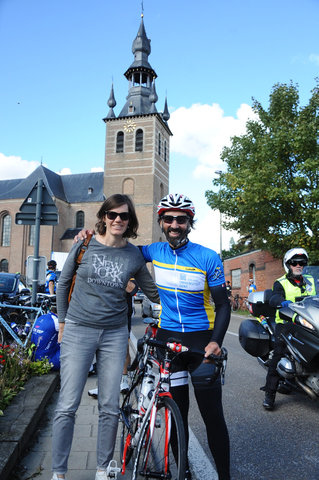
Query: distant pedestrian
point(228, 288)
point(51, 278)
point(252, 286)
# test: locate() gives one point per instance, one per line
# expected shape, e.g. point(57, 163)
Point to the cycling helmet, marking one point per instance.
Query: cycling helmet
point(176, 201)
point(294, 253)
point(52, 264)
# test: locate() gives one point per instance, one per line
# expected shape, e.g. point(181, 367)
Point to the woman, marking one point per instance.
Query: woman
point(95, 322)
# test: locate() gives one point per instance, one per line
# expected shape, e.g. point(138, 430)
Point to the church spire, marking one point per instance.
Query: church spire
point(141, 76)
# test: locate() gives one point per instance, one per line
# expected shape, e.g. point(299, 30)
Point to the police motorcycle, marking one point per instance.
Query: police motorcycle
point(299, 367)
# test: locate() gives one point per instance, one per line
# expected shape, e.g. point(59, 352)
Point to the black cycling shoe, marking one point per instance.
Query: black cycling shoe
point(269, 401)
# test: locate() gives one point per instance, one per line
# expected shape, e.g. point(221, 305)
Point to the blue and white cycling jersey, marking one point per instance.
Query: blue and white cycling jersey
point(183, 277)
point(50, 277)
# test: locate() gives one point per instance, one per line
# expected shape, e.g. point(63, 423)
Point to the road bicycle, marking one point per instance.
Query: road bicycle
point(17, 316)
point(238, 303)
point(152, 426)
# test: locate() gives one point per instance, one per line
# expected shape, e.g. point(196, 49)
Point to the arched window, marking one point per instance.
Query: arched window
point(139, 140)
point(159, 143)
point(79, 219)
point(120, 142)
point(31, 235)
point(4, 265)
point(252, 271)
point(128, 187)
point(165, 151)
point(6, 230)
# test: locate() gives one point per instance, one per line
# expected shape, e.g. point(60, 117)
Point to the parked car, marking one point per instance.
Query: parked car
point(139, 296)
point(12, 283)
point(150, 309)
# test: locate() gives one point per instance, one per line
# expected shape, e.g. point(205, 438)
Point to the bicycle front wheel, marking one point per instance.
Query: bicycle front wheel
point(161, 450)
point(129, 415)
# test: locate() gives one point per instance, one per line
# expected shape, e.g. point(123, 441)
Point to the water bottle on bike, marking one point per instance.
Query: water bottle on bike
point(146, 389)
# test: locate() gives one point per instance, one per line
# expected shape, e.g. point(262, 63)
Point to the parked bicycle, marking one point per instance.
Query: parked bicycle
point(238, 303)
point(152, 426)
point(17, 316)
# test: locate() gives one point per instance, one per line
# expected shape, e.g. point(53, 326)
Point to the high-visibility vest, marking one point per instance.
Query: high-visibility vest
point(293, 291)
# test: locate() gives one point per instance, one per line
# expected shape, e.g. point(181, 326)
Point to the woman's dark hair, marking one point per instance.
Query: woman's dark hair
point(114, 201)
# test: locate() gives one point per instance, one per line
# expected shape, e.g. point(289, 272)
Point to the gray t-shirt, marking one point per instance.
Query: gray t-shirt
point(99, 299)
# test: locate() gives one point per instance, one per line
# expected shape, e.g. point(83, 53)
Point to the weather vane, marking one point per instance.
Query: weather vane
point(142, 5)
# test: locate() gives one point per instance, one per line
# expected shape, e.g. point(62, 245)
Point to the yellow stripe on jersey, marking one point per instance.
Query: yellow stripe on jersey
point(178, 267)
point(209, 308)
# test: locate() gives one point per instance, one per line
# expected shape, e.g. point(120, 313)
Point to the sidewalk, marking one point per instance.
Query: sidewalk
point(82, 461)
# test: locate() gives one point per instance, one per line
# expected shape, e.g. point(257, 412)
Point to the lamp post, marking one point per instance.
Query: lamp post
point(219, 172)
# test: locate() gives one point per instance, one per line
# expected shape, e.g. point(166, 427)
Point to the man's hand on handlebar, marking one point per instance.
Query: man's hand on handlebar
point(211, 348)
point(82, 235)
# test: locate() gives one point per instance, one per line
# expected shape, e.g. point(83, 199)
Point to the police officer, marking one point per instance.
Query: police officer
point(285, 290)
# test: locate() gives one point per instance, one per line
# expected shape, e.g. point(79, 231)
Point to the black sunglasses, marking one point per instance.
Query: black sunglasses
point(294, 263)
point(113, 215)
point(181, 220)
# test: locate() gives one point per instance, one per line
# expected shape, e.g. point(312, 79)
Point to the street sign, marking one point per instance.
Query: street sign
point(27, 214)
point(42, 269)
point(25, 218)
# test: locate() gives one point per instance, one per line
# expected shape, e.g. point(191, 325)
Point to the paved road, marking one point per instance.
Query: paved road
point(277, 445)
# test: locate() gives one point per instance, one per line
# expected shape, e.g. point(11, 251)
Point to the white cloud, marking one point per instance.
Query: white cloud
point(314, 58)
point(65, 171)
point(202, 131)
point(97, 169)
point(207, 232)
point(15, 167)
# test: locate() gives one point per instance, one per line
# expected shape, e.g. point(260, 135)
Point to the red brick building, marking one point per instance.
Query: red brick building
point(259, 265)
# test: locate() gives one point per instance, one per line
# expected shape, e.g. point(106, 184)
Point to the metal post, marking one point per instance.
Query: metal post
point(219, 172)
point(36, 258)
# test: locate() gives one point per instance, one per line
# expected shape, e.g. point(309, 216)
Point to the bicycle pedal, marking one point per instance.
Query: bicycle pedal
point(112, 470)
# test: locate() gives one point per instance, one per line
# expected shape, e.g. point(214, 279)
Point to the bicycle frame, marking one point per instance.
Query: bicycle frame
point(38, 311)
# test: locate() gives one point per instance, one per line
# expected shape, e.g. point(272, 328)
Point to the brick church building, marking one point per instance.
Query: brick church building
point(136, 163)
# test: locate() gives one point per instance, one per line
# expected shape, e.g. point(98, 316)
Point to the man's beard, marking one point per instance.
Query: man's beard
point(176, 242)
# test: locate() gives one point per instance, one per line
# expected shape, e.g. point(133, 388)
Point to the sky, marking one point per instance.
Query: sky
point(59, 58)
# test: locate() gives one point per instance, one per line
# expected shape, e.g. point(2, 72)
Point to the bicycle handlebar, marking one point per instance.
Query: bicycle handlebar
point(177, 347)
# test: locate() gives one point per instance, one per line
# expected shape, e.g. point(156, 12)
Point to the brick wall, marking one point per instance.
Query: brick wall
point(258, 264)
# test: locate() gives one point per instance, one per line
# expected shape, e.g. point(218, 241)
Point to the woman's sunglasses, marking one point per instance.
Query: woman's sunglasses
point(113, 215)
point(169, 219)
point(294, 263)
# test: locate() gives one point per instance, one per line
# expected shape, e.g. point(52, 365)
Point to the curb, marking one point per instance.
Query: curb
point(21, 418)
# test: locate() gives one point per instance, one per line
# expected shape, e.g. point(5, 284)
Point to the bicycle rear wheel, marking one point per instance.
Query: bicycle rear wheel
point(161, 450)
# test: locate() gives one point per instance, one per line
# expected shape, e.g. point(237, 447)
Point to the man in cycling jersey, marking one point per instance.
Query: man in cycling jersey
point(186, 275)
point(51, 278)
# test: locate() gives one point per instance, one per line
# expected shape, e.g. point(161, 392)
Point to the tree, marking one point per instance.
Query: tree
point(270, 191)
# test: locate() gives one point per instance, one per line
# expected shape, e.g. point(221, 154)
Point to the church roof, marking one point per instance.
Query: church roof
point(83, 187)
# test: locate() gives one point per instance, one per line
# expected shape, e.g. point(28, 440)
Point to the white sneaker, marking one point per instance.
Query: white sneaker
point(124, 385)
point(101, 475)
point(55, 477)
point(93, 393)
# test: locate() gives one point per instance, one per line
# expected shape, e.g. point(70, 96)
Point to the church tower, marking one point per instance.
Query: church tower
point(137, 142)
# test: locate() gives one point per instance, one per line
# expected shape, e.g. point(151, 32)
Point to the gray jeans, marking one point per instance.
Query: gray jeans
point(78, 347)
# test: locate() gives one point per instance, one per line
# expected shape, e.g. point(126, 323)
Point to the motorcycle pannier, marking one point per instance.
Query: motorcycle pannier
point(259, 304)
point(254, 339)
